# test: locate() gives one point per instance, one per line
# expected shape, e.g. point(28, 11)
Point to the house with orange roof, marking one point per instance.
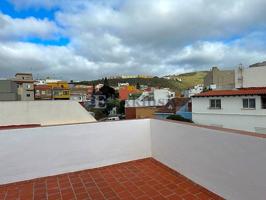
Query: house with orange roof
point(242, 109)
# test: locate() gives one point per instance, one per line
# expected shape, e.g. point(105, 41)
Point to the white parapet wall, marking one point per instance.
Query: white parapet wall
point(232, 165)
point(43, 113)
point(38, 152)
point(229, 164)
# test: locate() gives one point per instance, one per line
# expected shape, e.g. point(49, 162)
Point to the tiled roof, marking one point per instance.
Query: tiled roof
point(145, 179)
point(173, 105)
point(43, 87)
point(237, 92)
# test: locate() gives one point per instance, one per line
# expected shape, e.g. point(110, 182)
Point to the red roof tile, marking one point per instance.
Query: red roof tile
point(145, 179)
point(236, 92)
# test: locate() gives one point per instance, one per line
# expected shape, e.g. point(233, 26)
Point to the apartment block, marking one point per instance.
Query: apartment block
point(220, 79)
point(25, 86)
point(8, 90)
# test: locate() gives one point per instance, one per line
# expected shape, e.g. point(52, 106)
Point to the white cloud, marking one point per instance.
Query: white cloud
point(134, 36)
point(15, 28)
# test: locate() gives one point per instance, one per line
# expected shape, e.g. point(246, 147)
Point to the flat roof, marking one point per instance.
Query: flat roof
point(141, 179)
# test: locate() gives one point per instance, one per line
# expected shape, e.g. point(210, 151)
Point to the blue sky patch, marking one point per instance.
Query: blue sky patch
point(7, 8)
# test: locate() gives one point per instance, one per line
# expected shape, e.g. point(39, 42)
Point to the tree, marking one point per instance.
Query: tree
point(93, 89)
point(138, 86)
point(108, 91)
point(106, 82)
point(121, 109)
point(179, 118)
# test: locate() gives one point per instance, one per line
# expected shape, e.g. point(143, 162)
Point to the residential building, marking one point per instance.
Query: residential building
point(43, 92)
point(122, 85)
point(8, 90)
point(217, 79)
point(79, 94)
point(253, 76)
point(176, 106)
point(163, 94)
point(147, 103)
point(192, 91)
point(159, 96)
point(135, 76)
point(132, 159)
point(60, 90)
point(25, 86)
point(19, 113)
point(242, 109)
point(142, 112)
point(126, 91)
point(98, 87)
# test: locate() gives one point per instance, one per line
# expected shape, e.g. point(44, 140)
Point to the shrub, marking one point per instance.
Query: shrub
point(178, 118)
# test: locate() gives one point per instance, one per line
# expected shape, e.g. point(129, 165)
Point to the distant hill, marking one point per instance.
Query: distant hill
point(187, 80)
point(191, 79)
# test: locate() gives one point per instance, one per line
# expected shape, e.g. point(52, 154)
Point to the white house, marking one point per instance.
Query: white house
point(253, 76)
point(192, 91)
point(242, 109)
point(157, 97)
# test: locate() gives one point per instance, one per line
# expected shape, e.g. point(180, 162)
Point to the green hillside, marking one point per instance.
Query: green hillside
point(187, 80)
point(192, 79)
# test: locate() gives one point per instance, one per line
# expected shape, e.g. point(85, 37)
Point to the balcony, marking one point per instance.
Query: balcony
point(134, 159)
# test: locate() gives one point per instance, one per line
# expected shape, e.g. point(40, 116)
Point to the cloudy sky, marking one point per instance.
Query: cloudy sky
point(88, 39)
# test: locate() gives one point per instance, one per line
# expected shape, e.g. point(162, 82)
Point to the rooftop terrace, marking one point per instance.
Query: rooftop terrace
point(142, 179)
point(135, 159)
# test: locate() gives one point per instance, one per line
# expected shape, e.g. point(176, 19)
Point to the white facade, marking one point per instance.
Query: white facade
point(231, 115)
point(122, 85)
point(250, 77)
point(78, 97)
point(163, 94)
point(158, 97)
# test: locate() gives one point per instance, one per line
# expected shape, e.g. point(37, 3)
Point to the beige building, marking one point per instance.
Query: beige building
point(25, 86)
point(220, 79)
point(141, 112)
point(253, 76)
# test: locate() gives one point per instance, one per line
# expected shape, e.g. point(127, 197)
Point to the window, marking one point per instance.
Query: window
point(263, 102)
point(215, 103)
point(65, 92)
point(28, 95)
point(249, 103)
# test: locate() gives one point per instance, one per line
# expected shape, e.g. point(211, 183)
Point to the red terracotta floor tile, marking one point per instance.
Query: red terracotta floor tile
point(142, 180)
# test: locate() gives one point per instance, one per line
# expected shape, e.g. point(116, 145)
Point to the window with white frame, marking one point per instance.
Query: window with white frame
point(215, 104)
point(249, 103)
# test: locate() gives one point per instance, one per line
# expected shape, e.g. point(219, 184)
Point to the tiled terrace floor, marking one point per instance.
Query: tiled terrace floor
point(143, 180)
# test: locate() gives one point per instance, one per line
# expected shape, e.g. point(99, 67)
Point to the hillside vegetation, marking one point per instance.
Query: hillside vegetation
point(188, 80)
point(191, 79)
